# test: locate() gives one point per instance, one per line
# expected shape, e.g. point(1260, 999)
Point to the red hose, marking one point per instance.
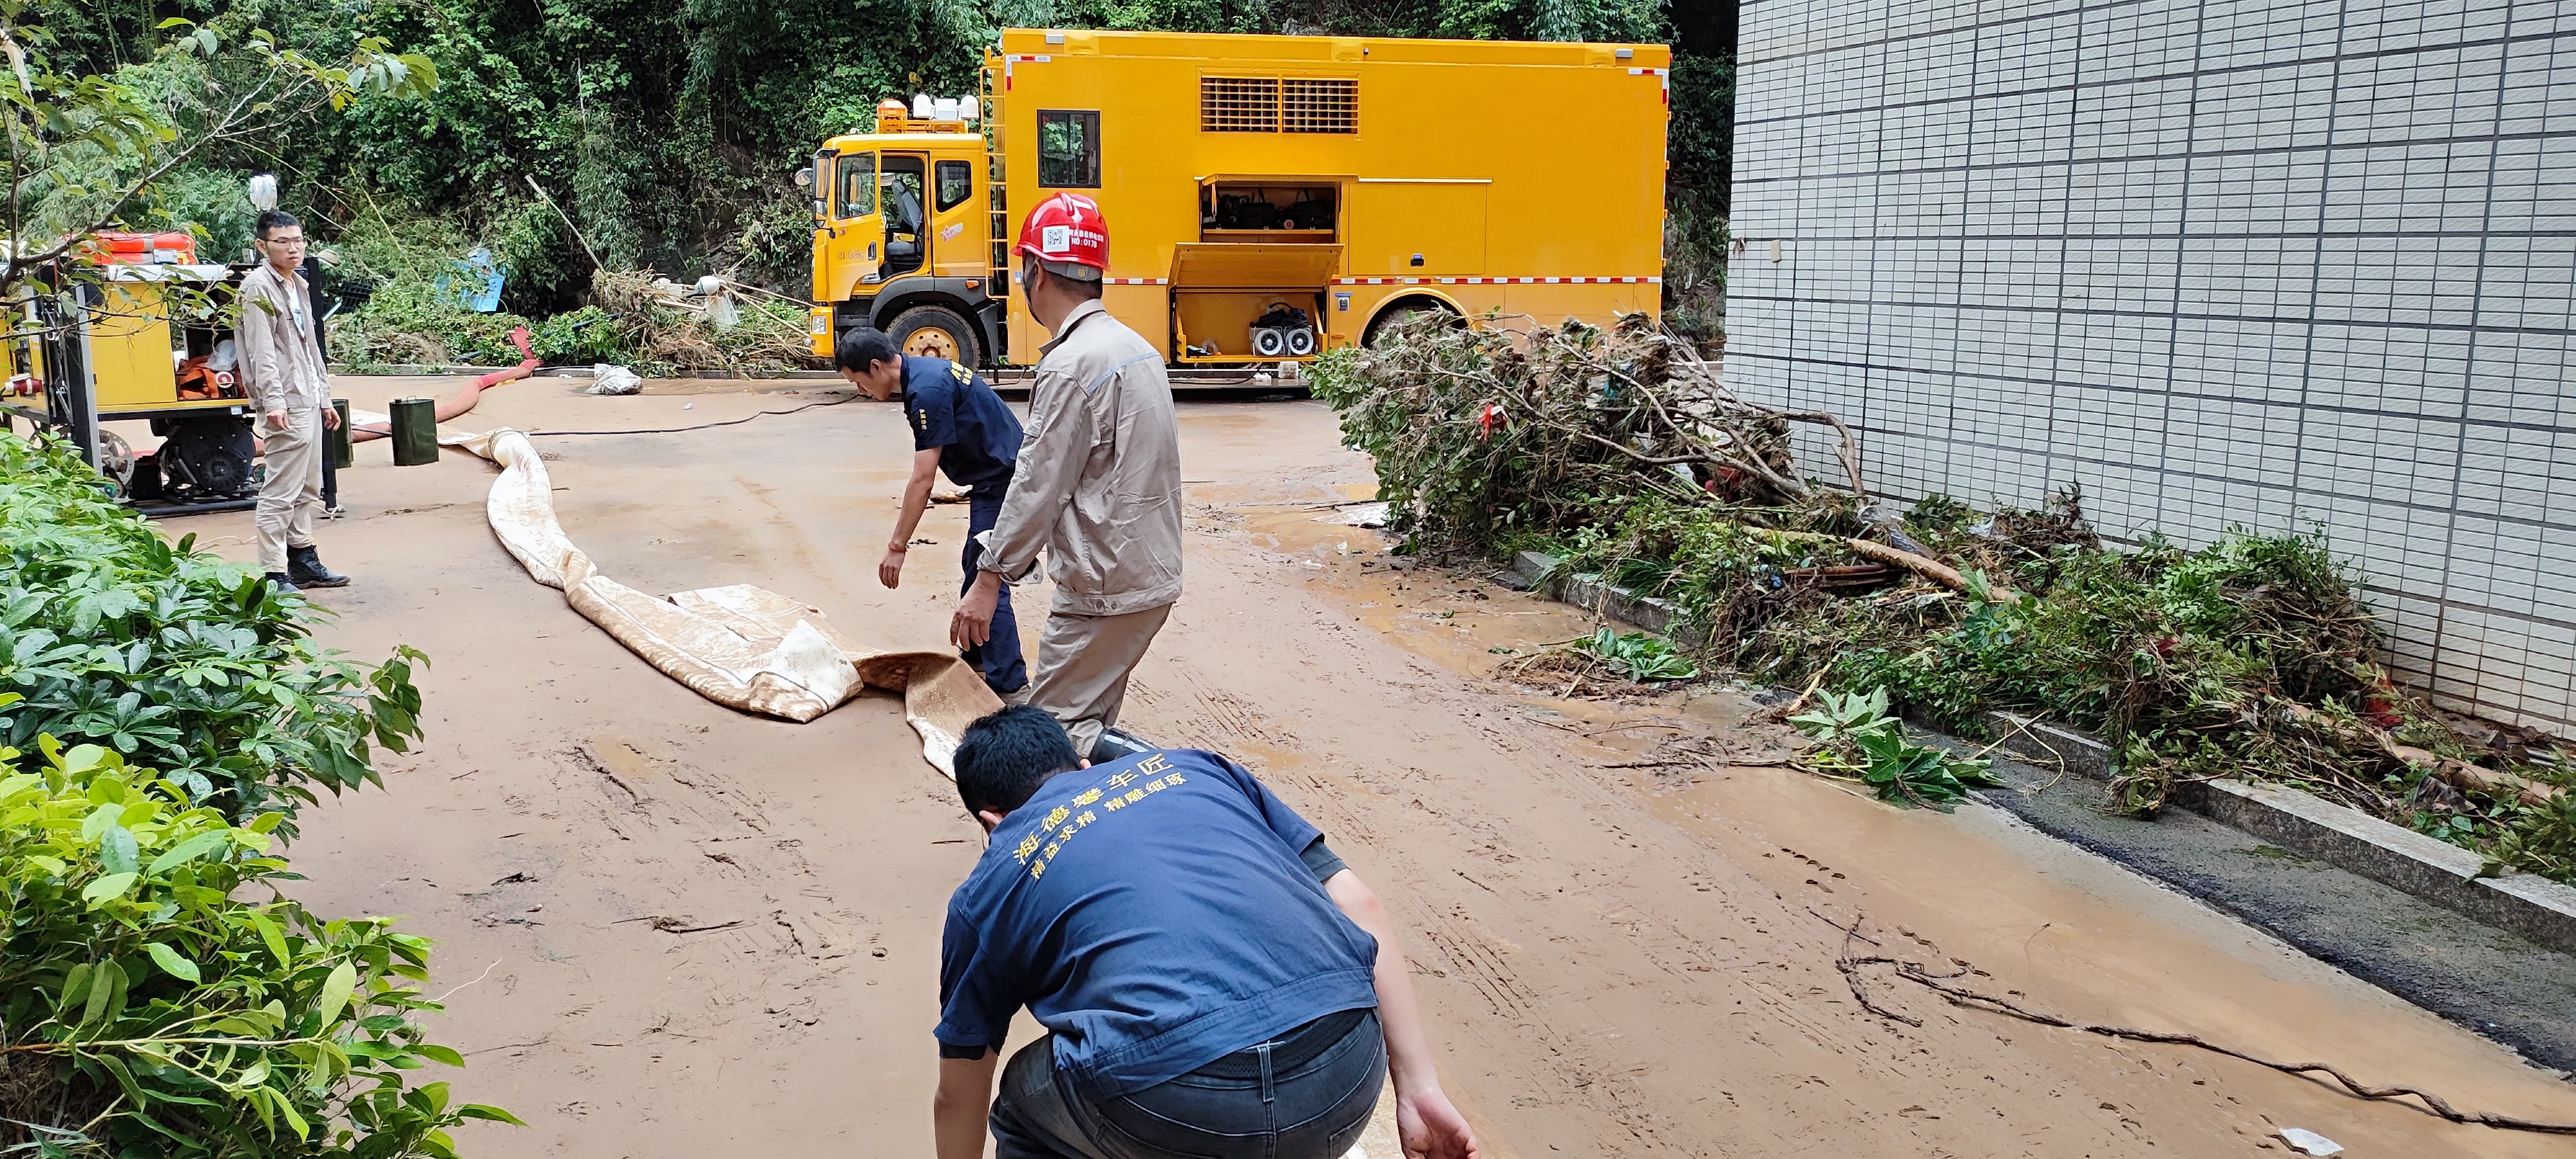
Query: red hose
point(466, 396)
point(526, 366)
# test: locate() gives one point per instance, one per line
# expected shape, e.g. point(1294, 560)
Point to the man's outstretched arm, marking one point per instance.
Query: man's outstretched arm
point(916, 499)
point(1427, 1125)
point(964, 1100)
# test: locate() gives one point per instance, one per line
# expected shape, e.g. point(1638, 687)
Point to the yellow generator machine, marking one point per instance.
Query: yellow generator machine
point(1268, 197)
point(110, 350)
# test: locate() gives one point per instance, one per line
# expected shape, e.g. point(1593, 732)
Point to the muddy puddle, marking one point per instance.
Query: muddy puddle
point(2041, 921)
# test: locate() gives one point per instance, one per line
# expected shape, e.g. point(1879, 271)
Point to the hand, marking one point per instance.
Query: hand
point(890, 569)
point(330, 418)
point(277, 420)
point(1429, 1128)
point(973, 623)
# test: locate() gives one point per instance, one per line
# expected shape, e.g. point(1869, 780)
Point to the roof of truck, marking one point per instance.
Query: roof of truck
point(1346, 49)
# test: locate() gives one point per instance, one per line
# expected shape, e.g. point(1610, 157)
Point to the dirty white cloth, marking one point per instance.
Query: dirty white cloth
point(741, 646)
point(290, 495)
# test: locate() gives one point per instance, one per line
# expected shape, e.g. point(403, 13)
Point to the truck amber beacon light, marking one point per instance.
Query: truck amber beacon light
point(1067, 228)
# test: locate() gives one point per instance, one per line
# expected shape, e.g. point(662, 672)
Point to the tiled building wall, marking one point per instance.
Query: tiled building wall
point(2267, 263)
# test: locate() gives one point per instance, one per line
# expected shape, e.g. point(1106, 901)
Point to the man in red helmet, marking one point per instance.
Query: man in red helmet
point(1097, 486)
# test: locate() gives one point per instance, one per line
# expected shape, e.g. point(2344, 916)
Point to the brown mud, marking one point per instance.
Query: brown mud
point(675, 929)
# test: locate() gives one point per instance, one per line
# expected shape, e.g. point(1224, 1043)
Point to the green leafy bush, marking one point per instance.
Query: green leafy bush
point(188, 663)
point(154, 1008)
point(1640, 656)
point(1857, 739)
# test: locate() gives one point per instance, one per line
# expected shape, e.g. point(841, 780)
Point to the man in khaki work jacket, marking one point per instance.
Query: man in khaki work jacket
point(1097, 486)
point(281, 365)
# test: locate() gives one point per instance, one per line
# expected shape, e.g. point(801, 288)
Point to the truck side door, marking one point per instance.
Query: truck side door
point(957, 222)
point(854, 241)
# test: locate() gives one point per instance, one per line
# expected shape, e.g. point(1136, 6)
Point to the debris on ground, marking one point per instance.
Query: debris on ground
point(2307, 1142)
point(1621, 453)
point(609, 378)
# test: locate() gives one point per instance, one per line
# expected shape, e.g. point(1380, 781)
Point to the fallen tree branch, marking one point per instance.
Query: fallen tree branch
point(1928, 568)
point(1956, 995)
point(2459, 773)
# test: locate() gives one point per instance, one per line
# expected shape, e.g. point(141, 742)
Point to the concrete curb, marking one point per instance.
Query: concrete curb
point(2446, 875)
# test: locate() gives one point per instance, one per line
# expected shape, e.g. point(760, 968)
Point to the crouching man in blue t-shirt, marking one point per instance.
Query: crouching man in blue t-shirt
point(1214, 980)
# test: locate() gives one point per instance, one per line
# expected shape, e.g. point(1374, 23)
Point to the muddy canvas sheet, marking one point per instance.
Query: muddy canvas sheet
point(741, 646)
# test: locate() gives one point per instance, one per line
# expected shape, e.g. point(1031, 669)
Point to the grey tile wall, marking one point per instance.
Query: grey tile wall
point(2272, 264)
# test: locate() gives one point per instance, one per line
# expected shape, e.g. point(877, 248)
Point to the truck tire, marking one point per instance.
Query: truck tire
point(1408, 309)
point(934, 332)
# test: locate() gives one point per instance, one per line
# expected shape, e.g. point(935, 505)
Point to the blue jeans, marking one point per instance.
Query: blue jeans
point(1245, 1105)
point(999, 657)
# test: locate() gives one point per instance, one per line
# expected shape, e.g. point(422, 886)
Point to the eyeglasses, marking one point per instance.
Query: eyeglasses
point(288, 241)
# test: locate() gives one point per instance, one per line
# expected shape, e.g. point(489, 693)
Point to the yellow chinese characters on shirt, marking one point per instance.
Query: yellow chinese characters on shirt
point(1117, 791)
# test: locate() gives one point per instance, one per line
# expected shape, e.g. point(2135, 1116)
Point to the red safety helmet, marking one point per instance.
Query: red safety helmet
point(1067, 228)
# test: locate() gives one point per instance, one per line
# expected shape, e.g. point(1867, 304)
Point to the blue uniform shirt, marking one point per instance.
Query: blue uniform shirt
point(1154, 913)
point(953, 409)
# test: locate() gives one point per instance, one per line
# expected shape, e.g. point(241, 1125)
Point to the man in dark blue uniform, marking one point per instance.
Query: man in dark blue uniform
point(1213, 979)
point(959, 428)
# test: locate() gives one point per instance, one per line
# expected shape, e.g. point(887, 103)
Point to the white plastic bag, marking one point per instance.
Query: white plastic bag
point(607, 378)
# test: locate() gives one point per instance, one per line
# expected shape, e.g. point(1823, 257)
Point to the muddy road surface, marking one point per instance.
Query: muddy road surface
point(671, 929)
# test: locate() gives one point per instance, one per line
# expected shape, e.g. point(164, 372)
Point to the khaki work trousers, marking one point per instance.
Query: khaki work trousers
point(1082, 669)
point(291, 495)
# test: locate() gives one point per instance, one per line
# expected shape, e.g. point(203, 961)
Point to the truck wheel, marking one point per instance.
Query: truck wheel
point(1403, 311)
point(934, 332)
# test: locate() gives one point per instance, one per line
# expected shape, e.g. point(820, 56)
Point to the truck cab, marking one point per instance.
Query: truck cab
point(900, 237)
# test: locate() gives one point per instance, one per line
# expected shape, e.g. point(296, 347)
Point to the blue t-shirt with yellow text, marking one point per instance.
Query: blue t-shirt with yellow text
point(1154, 914)
point(954, 409)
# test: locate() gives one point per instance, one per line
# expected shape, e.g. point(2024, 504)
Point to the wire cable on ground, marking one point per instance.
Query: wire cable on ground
point(1921, 975)
point(854, 397)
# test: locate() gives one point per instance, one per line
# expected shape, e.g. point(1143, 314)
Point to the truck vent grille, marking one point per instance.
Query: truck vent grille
point(1319, 106)
point(1238, 104)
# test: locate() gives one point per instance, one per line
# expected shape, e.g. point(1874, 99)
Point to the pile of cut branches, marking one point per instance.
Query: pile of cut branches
point(2251, 657)
point(667, 332)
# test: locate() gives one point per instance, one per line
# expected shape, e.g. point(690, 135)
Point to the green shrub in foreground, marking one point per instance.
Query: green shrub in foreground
point(152, 1009)
point(188, 663)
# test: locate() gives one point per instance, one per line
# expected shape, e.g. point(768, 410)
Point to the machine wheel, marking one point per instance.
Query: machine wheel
point(934, 332)
point(207, 458)
point(1404, 311)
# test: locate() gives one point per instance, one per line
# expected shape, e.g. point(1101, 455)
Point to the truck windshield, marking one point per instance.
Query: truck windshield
point(858, 175)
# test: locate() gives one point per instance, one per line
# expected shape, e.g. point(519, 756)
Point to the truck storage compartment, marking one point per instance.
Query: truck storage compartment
point(1249, 301)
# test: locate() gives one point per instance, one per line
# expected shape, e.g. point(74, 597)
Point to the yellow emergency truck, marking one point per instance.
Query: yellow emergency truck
point(1268, 197)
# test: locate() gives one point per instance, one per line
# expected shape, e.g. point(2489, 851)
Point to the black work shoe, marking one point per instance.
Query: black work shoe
point(304, 566)
point(278, 582)
point(1114, 744)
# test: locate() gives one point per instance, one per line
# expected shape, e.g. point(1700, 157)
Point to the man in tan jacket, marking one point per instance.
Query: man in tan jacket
point(1097, 485)
point(281, 365)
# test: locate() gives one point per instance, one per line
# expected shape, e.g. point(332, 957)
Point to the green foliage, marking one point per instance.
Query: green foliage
point(1640, 656)
point(1857, 737)
point(2249, 657)
point(2535, 838)
point(92, 141)
point(186, 662)
point(154, 1009)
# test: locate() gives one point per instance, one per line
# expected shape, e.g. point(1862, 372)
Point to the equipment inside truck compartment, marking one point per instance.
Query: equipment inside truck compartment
point(1269, 207)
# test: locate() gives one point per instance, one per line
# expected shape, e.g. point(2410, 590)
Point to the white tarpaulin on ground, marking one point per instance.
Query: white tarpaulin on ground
point(741, 646)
